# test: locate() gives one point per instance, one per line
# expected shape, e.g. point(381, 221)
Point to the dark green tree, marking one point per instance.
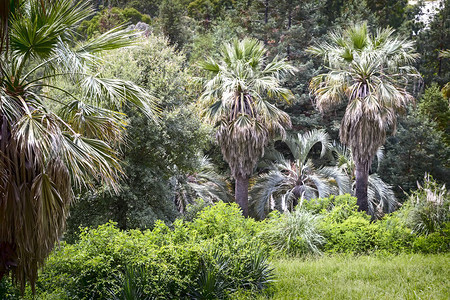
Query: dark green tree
point(416, 149)
point(434, 106)
point(155, 152)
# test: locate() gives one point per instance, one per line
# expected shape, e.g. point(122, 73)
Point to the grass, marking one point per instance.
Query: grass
point(407, 276)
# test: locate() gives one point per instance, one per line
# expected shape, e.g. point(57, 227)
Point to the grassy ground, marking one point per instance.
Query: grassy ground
point(365, 277)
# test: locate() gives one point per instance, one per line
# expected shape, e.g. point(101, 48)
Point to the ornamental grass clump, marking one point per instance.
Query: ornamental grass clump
point(295, 233)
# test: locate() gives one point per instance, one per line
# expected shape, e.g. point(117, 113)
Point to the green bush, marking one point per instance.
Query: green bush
point(435, 242)
point(163, 263)
point(356, 234)
point(215, 222)
point(392, 235)
point(339, 207)
point(348, 231)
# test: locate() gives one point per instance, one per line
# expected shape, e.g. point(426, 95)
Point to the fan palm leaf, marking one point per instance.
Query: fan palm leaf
point(371, 72)
point(44, 153)
point(288, 181)
point(236, 102)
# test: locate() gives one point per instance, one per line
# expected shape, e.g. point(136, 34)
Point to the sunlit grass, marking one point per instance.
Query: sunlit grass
point(366, 277)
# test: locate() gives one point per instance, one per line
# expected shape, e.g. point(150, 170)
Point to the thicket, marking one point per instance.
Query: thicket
point(220, 253)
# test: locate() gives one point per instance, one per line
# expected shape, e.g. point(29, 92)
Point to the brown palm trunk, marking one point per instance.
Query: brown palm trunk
point(362, 179)
point(241, 193)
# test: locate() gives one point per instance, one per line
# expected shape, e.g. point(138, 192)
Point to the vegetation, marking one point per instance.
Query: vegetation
point(237, 100)
point(288, 182)
point(192, 147)
point(371, 72)
point(369, 277)
point(46, 153)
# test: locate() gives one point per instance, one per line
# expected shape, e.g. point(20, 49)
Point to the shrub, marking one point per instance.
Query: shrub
point(428, 208)
point(192, 210)
point(222, 219)
point(294, 233)
point(356, 234)
point(340, 207)
point(348, 231)
point(163, 263)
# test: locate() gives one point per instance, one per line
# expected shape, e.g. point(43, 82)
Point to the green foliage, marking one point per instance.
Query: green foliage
point(435, 107)
point(339, 207)
point(405, 161)
point(156, 151)
point(348, 231)
point(224, 221)
point(436, 242)
point(295, 233)
point(192, 210)
point(213, 255)
point(430, 41)
point(355, 234)
point(173, 22)
point(109, 18)
point(428, 208)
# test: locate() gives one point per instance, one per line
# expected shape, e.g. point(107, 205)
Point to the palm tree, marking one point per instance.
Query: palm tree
point(380, 196)
point(238, 104)
point(371, 73)
point(205, 183)
point(45, 152)
point(287, 181)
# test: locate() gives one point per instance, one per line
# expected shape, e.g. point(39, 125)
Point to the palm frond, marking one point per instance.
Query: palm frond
point(237, 102)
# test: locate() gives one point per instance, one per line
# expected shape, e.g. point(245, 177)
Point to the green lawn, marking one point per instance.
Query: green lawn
point(365, 277)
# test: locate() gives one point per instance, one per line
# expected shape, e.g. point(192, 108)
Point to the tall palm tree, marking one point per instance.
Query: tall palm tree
point(288, 181)
point(371, 72)
point(45, 152)
point(238, 104)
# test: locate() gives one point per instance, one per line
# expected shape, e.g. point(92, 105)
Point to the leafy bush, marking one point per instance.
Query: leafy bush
point(224, 220)
point(192, 210)
point(164, 263)
point(435, 242)
point(348, 231)
point(356, 234)
point(294, 233)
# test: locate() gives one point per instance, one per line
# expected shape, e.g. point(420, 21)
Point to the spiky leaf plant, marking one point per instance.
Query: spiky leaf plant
point(296, 233)
point(45, 152)
point(288, 181)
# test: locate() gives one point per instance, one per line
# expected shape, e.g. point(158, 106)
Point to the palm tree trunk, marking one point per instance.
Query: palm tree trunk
point(241, 193)
point(362, 179)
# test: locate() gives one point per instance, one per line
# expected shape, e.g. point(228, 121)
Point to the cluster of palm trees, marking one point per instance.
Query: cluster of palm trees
point(371, 72)
point(60, 120)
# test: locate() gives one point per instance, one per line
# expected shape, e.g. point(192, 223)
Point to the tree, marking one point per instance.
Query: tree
point(380, 196)
point(435, 107)
point(288, 181)
point(430, 42)
point(237, 100)
point(371, 72)
point(54, 136)
point(157, 154)
point(417, 148)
